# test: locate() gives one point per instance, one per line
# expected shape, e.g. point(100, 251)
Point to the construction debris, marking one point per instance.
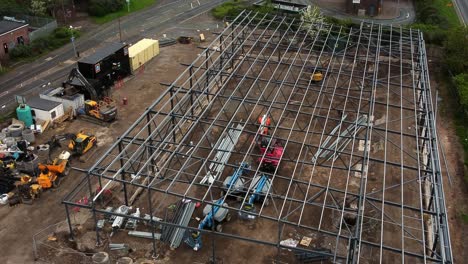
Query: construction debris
point(328, 150)
point(306, 241)
point(147, 235)
point(224, 147)
point(181, 216)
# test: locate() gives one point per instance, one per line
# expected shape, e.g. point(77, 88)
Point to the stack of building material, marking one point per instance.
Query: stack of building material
point(182, 216)
point(147, 235)
point(327, 149)
point(224, 146)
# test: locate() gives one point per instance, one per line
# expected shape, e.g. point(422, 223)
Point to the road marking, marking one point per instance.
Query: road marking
point(459, 13)
point(165, 20)
point(183, 21)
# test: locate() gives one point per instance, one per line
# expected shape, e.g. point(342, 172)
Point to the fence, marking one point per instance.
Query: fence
point(48, 245)
point(40, 26)
point(43, 31)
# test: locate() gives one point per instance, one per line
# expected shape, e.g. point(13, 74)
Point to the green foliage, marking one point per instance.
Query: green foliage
point(465, 218)
point(12, 7)
point(347, 23)
point(21, 52)
point(135, 5)
point(432, 34)
point(234, 7)
point(38, 7)
point(3, 70)
point(435, 18)
point(57, 39)
point(267, 7)
point(440, 13)
point(461, 82)
point(231, 8)
point(100, 8)
point(456, 50)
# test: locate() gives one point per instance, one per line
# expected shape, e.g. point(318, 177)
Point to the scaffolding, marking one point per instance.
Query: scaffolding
point(359, 170)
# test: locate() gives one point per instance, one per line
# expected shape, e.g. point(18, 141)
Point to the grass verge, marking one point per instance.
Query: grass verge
point(3, 70)
point(446, 8)
point(135, 5)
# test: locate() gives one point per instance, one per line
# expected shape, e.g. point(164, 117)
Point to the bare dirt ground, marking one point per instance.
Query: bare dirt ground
point(456, 192)
point(20, 223)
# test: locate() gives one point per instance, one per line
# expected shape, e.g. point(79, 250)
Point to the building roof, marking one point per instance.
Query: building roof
point(6, 26)
point(102, 53)
point(42, 104)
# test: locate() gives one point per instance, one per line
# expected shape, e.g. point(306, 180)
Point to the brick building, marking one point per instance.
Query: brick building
point(12, 33)
point(364, 7)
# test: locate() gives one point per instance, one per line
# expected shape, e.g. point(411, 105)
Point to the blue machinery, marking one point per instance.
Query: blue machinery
point(213, 216)
point(260, 186)
point(233, 183)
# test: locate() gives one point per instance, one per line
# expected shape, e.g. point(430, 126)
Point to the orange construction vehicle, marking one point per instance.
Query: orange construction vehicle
point(50, 173)
point(104, 110)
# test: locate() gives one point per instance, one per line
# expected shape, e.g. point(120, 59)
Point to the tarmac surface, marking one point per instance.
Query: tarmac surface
point(53, 67)
point(461, 6)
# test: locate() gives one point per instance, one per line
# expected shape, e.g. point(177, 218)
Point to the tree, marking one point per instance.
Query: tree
point(457, 50)
point(312, 19)
point(38, 7)
point(461, 82)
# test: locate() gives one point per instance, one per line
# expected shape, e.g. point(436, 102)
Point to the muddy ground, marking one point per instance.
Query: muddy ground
point(455, 187)
point(19, 224)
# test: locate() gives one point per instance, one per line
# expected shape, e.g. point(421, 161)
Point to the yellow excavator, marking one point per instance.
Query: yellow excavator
point(50, 173)
point(104, 110)
point(81, 143)
point(317, 77)
point(28, 190)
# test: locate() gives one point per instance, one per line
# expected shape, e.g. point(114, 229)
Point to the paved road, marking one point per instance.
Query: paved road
point(149, 22)
point(461, 6)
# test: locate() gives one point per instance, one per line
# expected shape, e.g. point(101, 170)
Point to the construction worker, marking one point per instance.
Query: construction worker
point(264, 122)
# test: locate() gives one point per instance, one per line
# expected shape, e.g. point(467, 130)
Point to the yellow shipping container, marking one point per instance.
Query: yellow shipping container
point(142, 51)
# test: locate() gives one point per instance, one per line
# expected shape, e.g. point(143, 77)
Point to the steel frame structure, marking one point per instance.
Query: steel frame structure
point(385, 177)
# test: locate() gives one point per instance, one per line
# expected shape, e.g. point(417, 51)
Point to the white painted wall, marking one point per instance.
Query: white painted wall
point(75, 104)
point(47, 115)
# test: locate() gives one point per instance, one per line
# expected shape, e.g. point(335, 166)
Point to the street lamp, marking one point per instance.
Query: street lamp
point(73, 41)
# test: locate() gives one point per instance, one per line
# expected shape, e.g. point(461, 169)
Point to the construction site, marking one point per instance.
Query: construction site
point(284, 141)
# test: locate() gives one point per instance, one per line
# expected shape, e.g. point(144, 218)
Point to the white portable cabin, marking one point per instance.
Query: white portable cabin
point(75, 101)
point(45, 109)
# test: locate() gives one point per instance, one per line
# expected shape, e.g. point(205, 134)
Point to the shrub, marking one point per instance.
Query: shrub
point(347, 23)
point(21, 51)
point(432, 34)
point(62, 32)
point(102, 7)
point(456, 50)
point(461, 82)
point(231, 8)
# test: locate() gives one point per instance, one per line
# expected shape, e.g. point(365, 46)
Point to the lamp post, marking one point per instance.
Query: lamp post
point(73, 41)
